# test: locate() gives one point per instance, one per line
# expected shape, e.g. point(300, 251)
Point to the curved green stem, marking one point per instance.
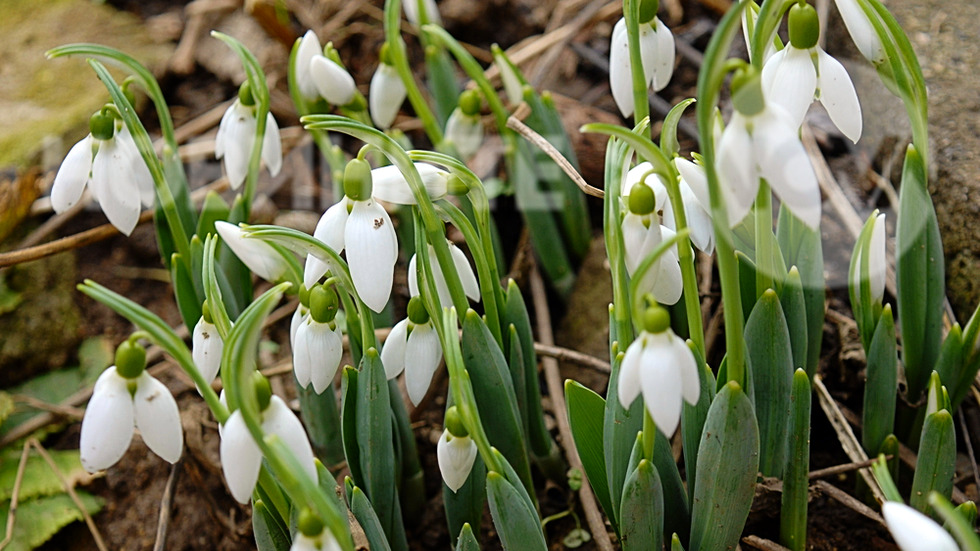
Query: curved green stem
point(770, 15)
point(399, 60)
point(641, 105)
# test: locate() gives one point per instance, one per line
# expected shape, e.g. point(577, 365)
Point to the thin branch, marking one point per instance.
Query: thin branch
point(165, 503)
point(71, 493)
point(544, 145)
point(15, 496)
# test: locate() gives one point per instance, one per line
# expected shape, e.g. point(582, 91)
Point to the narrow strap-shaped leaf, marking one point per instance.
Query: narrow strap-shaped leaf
point(959, 521)
point(516, 523)
point(348, 406)
point(269, 535)
point(411, 487)
point(793, 302)
point(951, 367)
point(692, 424)
point(727, 465)
point(464, 507)
point(585, 411)
point(803, 247)
point(441, 80)
point(620, 426)
point(767, 343)
point(677, 516)
point(321, 417)
point(746, 277)
point(188, 302)
point(668, 132)
point(515, 361)
point(881, 387)
point(467, 541)
point(792, 518)
point(936, 464)
point(643, 510)
point(366, 516)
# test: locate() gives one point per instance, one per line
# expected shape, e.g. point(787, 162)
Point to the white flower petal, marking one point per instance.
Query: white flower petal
point(431, 11)
point(663, 62)
point(302, 360)
point(326, 347)
point(789, 80)
point(206, 349)
point(838, 96)
point(628, 386)
point(620, 75)
point(465, 132)
point(644, 172)
point(784, 164)
point(634, 236)
point(115, 186)
point(661, 383)
point(372, 249)
point(309, 47)
point(332, 81)
point(240, 458)
point(329, 229)
point(299, 316)
point(107, 427)
point(687, 366)
point(74, 173)
point(422, 356)
point(669, 282)
point(393, 351)
point(914, 531)
point(386, 95)
point(861, 31)
point(272, 146)
point(256, 254)
point(278, 419)
point(233, 142)
point(141, 173)
point(736, 169)
point(158, 418)
point(390, 185)
point(456, 456)
point(466, 276)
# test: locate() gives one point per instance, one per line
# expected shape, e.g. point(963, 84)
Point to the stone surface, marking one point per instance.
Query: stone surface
point(45, 104)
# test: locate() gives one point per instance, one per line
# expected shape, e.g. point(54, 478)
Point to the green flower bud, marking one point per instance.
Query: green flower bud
point(747, 91)
point(102, 126)
point(263, 390)
point(656, 319)
point(454, 423)
point(357, 180)
point(469, 103)
point(309, 523)
point(130, 359)
point(804, 26)
point(416, 311)
point(245, 94)
point(642, 200)
point(323, 304)
point(648, 10)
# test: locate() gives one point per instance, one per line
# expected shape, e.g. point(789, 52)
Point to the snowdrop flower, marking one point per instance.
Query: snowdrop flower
point(661, 366)
point(914, 531)
point(311, 536)
point(109, 161)
point(876, 260)
point(256, 254)
point(656, 53)
point(241, 457)
point(642, 233)
point(236, 134)
point(456, 452)
point(125, 395)
point(861, 31)
point(319, 76)
point(391, 186)
point(387, 92)
point(309, 47)
point(318, 344)
point(413, 347)
point(801, 72)
point(206, 346)
point(360, 225)
point(431, 12)
point(471, 288)
point(761, 141)
point(464, 128)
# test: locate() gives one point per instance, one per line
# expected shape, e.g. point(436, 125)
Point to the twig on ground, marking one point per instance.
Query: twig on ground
point(969, 447)
point(763, 544)
point(544, 145)
point(15, 496)
point(848, 500)
point(96, 535)
point(72, 413)
point(165, 504)
point(556, 392)
point(570, 355)
point(840, 469)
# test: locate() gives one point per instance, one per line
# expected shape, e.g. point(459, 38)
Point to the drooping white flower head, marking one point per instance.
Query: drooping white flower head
point(661, 366)
point(330, 230)
point(876, 260)
point(861, 31)
point(391, 186)
point(413, 347)
point(697, 205)
point(241, 457)
point(309, 47)
point(206, 348)
point(236, 136)
point(914, 531)
point(761, 141)
point(431, 11)
point(318, 345)
point(109, 162)
point(387, 93)
point(466, 276)
point(656, 54)
point(802, 72)
point(323, 542)
point(464, 130)
point(124, 397)
point(332, 81)
point(256, 254)
point(455, 451)
point(642, 233)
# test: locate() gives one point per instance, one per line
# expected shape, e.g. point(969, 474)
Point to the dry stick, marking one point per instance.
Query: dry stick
point(844, 468)
point(544, 145)
point(846, 436)
point(71, 493)
point(548, 60)
point(557, 393)
point(575, 356)
point(969, 447)
point(763, 544)
point(62, 410)
point(165, 502)
point(848, 500)
point(15, 496)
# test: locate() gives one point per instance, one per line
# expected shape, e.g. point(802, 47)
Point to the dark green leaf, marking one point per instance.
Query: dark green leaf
point(880, 391)
point(643, 510)
point(936, 465)
point(792, 523)
point(585, 411)
point(516, 523)
point(268, 532)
